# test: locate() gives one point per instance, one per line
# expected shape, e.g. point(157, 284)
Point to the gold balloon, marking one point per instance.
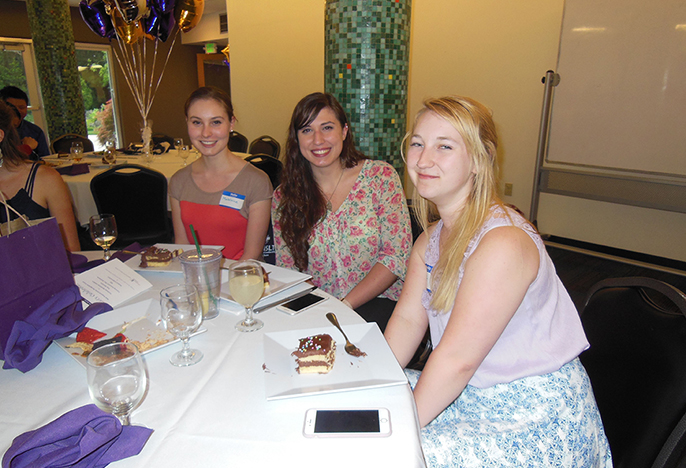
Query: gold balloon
point(128, 32)
point(188, 13)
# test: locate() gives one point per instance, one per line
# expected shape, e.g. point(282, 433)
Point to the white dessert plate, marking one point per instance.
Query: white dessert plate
point(378, 369)
point(175, 265)
point(280, 279)
point(139, 322)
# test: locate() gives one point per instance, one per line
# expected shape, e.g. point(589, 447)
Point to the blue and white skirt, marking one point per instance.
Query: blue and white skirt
point(544, 421)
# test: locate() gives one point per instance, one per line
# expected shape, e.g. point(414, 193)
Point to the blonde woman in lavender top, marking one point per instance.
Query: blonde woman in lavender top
point(503, 385)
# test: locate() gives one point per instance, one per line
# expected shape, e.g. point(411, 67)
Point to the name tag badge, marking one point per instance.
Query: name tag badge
point(232, 200)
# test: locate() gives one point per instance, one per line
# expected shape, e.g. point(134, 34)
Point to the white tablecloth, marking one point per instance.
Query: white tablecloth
point(79, 185)
point(215, 414)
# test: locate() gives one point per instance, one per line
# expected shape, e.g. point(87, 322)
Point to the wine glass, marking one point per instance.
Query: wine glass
point(246, 284)
point(182, 315)
point(178, 143)
point(103, 229)
point(147, 157)
point(116, 379)
point(76, 151)
point(184, 152)
point(110, 154)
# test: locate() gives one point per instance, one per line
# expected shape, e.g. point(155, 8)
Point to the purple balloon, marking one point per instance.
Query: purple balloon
point(97, 19)
point(159, 24)
point(164, 6)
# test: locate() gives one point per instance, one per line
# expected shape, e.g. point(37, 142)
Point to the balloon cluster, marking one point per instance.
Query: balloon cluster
point(133, 20)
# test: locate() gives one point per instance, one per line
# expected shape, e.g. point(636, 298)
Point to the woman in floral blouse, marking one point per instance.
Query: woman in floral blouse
point(339, 216)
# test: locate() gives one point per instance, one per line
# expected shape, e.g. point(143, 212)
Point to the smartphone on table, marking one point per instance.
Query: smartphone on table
point(302, 303)
point(353, 422)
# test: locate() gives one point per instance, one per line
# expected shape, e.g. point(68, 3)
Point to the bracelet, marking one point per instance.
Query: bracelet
point(346, 302)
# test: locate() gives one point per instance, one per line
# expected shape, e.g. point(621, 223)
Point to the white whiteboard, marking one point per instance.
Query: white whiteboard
point(621, 100)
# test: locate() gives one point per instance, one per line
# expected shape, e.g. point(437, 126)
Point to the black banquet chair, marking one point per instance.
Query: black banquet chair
point(137, 197)
point(637, 366)
point(265, 145)
point(238, 142)
point(269, 164)
point(62, 144)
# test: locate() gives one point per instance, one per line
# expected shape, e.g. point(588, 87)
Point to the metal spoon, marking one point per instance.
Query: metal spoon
point(349, 347)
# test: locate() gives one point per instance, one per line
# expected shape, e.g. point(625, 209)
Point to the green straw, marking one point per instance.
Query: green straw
point(207, 278)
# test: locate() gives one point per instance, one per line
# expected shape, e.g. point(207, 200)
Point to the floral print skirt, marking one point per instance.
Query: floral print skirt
point(544, 421)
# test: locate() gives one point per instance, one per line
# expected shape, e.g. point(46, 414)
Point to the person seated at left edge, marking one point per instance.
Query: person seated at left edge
point(29, 133)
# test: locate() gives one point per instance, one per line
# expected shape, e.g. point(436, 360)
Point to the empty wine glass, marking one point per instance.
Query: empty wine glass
point(182, 315)
point(246, 284)
point(184, 152)
point(116, 379)
point(103, 229)
point(76, 151)
point(178, 143)
point(147, 157)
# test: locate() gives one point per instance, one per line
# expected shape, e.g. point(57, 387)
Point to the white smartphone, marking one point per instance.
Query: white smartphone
point(301, 303)
point(349, 422)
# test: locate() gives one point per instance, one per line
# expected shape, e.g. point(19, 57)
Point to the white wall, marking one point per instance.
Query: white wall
point(277, 58)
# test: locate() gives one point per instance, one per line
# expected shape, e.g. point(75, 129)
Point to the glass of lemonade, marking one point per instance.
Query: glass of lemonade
point(246, 283)
point(103, 228)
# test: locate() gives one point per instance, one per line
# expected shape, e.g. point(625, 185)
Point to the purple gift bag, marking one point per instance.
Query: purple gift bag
point(38, 298)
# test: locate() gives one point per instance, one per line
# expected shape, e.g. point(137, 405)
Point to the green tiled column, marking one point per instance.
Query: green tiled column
point(367, 65)
point(53, 43)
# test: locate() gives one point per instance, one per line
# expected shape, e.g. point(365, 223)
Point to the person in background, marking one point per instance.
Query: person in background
point(339, 216)
point(29, 133)
point(225, 198)
point(31, 188)
point(16, 121)
point(503, 385)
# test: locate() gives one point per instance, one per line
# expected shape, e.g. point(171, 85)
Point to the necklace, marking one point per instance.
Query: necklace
point(329, 206)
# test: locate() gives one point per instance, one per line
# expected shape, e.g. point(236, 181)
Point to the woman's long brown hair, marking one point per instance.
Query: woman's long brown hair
point(303, 203)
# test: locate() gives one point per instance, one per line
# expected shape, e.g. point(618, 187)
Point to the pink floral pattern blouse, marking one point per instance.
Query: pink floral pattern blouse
point(371, 226)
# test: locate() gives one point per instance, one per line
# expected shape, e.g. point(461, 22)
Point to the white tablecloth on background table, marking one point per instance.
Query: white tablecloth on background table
point(215, 414)
point(79, 185)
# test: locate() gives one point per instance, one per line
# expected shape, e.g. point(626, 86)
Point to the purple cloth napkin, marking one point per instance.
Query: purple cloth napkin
point(85, 437)
point(79, 266)
point(58, 317)
point(74, 169)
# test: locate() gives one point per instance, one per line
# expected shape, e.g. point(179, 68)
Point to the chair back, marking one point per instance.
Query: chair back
point(137, 197)
point(62, 144)
point(266, 145)
point(270, 165)
point(238, 142)
point(637, 366)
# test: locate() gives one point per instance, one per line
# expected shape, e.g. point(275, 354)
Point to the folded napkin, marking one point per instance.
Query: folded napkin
point(58, 317)
point(85, 437)
point(79, 266)
point(74, 169)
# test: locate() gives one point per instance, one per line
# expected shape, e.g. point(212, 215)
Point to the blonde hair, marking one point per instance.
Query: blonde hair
point(474, 123)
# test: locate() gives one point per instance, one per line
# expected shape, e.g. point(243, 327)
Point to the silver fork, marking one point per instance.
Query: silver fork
point(349, 347)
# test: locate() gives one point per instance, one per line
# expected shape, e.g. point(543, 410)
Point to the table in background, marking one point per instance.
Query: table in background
point(215, 414)
point(79, 185)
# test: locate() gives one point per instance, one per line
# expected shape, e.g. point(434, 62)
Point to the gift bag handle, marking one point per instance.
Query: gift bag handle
point(9, 207)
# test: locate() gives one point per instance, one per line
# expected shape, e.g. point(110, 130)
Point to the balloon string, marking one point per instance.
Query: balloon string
point(165, 65)
point(133, 62)
point(126, 68)
point(152, 75)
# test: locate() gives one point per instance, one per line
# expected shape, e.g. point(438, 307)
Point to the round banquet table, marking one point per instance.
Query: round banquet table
point(215, 413)
point(79, 185)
